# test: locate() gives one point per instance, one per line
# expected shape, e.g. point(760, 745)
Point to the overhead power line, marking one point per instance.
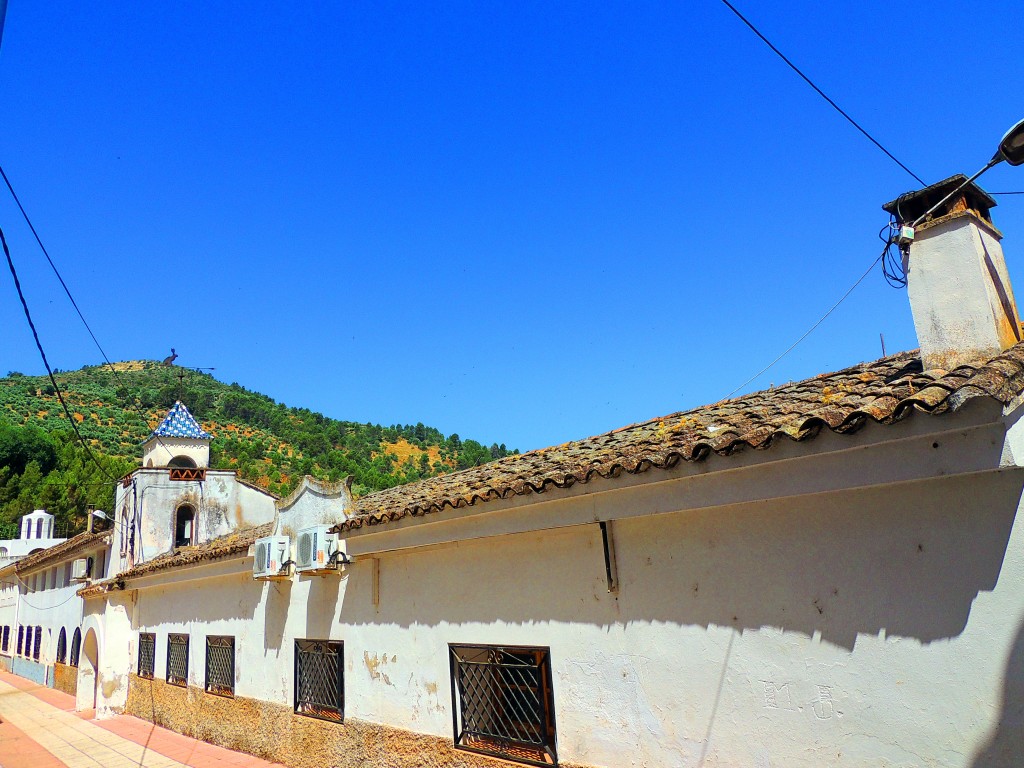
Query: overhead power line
point(810, 330)
point(821, 93)
point(46, 363)
point(52, 265)
point(64, 285)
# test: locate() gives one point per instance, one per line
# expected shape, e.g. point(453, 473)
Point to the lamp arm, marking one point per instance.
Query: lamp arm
point(994, 161)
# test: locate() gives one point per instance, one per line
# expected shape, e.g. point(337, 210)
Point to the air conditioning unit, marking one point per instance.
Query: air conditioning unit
point(317, 551)
point(81, 570)
point(273, 559)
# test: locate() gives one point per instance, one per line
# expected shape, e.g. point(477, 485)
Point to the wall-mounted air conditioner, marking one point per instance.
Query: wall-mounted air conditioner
point(273, 558)
point(81, 570)
point(317, 551)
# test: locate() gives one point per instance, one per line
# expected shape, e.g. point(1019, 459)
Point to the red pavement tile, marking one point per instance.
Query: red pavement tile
point(184, 749)
point(17, 750)
point(51, 696)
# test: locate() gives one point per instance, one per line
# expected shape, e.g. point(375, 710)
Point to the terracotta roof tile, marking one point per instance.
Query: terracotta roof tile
point(884, 391)
point(235, 543)
point(74, 545)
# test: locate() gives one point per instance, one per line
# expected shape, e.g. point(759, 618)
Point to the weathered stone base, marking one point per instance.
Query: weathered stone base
point(5, 663)
point(276, 733)
point(65, 678)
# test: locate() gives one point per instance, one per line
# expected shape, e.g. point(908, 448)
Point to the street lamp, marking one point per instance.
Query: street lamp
point(1011, 149)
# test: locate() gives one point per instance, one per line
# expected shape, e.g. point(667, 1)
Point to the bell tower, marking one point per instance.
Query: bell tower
point(179, 441)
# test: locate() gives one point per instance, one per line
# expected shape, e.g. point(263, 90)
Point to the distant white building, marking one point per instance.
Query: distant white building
point(35, 534)
point(41, 614)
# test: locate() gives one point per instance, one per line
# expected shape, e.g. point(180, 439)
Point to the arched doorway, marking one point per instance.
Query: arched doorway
point(88, 671)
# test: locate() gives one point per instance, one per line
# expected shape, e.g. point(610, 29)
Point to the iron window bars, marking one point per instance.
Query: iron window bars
point(502, 702)
point(38, 643)
point(320, 679)
point(220, 665)
point(177, 659)
point(147, 654)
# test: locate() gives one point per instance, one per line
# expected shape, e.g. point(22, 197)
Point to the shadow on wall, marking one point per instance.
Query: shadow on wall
point(907, 560)
point(186, 604)
point(1006, 747)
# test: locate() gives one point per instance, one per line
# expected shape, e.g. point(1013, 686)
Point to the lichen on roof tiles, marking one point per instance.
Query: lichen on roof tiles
point(233, 544)
point(884, 391)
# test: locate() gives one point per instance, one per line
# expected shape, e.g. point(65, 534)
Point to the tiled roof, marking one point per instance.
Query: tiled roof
point(235, 543)
point(180, 423)
point(884, 391)
point(64, 551)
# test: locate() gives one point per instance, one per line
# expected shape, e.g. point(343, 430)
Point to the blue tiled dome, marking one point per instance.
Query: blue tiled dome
point(180, 423)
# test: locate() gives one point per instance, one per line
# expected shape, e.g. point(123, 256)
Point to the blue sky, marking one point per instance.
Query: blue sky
point(519, 222)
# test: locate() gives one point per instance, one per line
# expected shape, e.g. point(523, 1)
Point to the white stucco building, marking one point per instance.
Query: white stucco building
point(41, 612)
point(35, 533)
point(825, 573)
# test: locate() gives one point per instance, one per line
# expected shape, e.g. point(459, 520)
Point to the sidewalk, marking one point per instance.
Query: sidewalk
point(40, 729)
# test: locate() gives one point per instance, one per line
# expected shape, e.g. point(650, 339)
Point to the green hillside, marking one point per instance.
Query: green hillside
point(268, 443)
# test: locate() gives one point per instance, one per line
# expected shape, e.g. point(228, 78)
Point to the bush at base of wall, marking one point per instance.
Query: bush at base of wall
point(276, 733)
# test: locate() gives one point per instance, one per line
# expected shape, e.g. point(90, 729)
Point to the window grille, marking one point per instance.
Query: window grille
point(220, 665)
point(76, 646)
point(7, 639)
point(62, 646)
point(320, 679)
point(502, 702)
point(177, 659)
point(147, 654)
point(38, 643)
point(21, 638)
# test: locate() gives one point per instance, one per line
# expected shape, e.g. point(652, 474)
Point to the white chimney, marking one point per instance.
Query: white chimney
point(959, 289)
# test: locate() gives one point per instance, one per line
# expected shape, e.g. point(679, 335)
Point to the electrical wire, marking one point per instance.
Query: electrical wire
point(810, 330)
point(1006, 193)
point(820, 92)
point(46, 363)
point(53, 266)
point(892, 263)
point(64, 285)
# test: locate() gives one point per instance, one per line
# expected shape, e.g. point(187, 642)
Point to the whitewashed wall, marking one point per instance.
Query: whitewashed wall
point(864, 628)
point(147, 507)
point(49, 600)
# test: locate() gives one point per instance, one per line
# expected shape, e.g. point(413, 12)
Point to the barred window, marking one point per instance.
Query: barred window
point(220, 665)
point(62, 646)
point(502, 702)
point(7, 638)
point(320, 679)
point(38, 643)
point(76, 646)
point(147, 654)
point(177, 659)
point(21, 638)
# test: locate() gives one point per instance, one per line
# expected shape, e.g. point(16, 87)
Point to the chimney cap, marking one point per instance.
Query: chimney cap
point(910, 205)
